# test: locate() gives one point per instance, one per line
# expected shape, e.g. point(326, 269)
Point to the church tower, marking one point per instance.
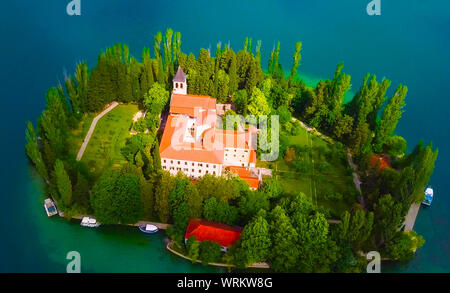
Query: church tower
point(180, 82)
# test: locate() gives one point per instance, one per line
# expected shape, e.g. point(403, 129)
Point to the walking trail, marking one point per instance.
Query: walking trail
point(92, 128)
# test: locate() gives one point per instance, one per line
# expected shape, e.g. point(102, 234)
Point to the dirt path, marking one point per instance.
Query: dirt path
point(92, 128)
point(356, 179)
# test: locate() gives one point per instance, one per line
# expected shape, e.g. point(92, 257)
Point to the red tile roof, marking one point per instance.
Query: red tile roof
point(245, 175)
point(209, 231)
point(187, 104)
point(173, 147)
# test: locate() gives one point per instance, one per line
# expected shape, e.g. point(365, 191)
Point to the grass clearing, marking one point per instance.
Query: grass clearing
point(318, 169)
point(110, 134)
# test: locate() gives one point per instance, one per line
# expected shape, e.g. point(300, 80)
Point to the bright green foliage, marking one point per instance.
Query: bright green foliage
point(193, 248)
point(272, 188)
point(63, 183)
point(390, 117)
point(284, 255)
point(251, 203)
point(209, 252)
point(404, 245)
point(240, 101)
point(255, 240)
point(221, 86)
point(156, 99)
point(163, 189)
point(116, 198)
point(219, 211)
point(194, 201)
point(297, 57)
point(33, 152)
point(258, 103)
point(388, 218)
point(395, 146)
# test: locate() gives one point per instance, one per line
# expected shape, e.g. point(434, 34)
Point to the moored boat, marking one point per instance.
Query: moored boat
point(428, 196)
point(89, 222)
point(50, 207)
point(149, 228)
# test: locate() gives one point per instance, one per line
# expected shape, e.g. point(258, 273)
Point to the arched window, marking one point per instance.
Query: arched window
point(181, 85)
point(176, 85)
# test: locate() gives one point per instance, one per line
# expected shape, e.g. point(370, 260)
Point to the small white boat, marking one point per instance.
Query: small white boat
point(428, 196)
point(89, 222)
point(50, 207)
point(149, 228)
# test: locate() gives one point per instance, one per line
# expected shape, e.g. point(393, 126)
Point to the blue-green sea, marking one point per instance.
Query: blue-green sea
point(409, 43)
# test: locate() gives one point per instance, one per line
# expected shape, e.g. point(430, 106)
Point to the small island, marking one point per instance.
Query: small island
point(182, 141)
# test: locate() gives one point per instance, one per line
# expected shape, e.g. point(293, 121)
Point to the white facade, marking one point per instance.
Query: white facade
point(180, 87)
point(191, 168)
point(236, 157)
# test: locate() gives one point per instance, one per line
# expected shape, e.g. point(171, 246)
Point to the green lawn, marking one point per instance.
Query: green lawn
point(109, 137)
point(77, 135)
point(324, 173)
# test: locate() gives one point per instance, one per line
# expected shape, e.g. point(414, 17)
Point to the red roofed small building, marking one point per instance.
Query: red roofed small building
point(380, 161)
point(252, 180)
point(192, 144)
point(222, 234)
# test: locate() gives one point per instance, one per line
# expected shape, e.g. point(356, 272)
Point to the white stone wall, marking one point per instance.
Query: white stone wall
point(191, 168)
point(236, 157)
point(180, 88)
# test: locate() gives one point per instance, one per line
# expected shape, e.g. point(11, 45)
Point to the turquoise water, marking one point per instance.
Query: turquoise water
point(409, 43)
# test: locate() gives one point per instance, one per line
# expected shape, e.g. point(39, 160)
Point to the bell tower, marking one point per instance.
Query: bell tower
point(180, 82)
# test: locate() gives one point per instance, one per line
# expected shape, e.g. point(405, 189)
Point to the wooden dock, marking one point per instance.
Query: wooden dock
point(410, 218)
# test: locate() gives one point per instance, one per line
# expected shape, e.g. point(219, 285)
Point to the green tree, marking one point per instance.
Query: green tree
point(163, 189)
point(284, 253)
point(33, 152)
point(255, 239)
point(193, 248)
point(240, 101)
point(404, 245)
point(156, 99)
point(63, 183)
point(209, 252)
point(297, 57)
point(390, 117)
point(388, 218)
point(116, 198)
point(258, 103)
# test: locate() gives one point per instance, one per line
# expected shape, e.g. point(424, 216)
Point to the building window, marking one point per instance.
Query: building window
point(214, 166)
point(178, 162)
point(171, 162)
point(181, 85)
point(200, 165)
point(207, 166)
point(164, 168)
point(185, 163)
point(214, 172)
point(193, 170)
point(207, 171)
point(176, 85)
point(199, 171)
point(192, 164)
point(164, 161)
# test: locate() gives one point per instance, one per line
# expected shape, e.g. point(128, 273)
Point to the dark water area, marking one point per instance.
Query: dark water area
point(409, 44)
